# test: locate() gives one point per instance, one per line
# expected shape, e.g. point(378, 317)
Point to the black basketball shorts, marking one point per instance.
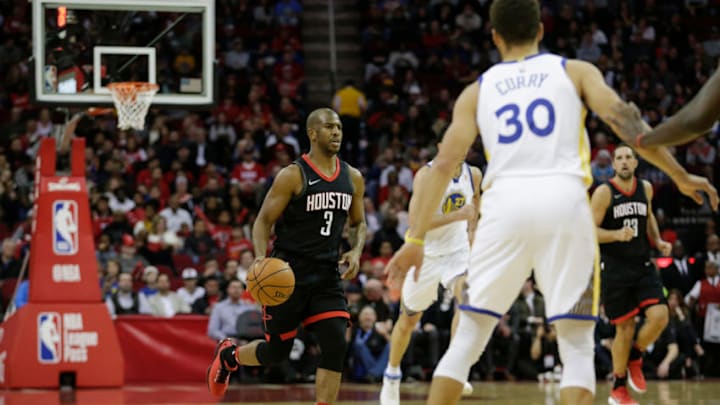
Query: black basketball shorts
point(629, 287)
point(318, 295)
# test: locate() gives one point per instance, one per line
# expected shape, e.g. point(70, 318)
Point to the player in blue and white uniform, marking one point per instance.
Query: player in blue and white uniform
point(447, 252)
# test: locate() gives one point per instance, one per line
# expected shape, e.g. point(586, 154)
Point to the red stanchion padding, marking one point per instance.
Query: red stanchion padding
point(63, 267)
point(152, 346)
point(45, 160)
point(41, 341)
point(77, 164)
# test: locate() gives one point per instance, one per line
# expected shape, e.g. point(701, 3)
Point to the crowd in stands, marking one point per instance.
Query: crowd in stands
point(173, 205)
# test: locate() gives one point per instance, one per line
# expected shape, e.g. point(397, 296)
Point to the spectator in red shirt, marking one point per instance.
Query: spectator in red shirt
point(211, 172)
point(238, 244)
point(392, 184)
point(281, 158)
point(249, 174)
point(435, 38)
point(144, 175)
point(156, 180)
point(102, 215)
point(288, 63)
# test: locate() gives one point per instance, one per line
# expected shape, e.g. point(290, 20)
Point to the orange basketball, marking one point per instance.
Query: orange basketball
point(271, 281)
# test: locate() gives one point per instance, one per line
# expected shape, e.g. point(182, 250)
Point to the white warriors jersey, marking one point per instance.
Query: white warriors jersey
point(452, 237)
point(532, 121)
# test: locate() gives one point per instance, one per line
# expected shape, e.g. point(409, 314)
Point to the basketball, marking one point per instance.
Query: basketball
point(270, 281)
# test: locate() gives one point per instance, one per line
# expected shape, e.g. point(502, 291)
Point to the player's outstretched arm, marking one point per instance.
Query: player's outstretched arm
point(603, 100)
point(600, 202)
point(691, 122)
point(287, 183)
point(69, 132)
point(358, 227)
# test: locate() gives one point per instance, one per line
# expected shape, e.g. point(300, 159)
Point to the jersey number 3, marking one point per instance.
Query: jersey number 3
point(514, 126)
point(325, 230)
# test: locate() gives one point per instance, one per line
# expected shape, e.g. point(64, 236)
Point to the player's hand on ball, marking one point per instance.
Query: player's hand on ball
point(257, 260)
point(350, 259)
point(665, 248)
point(625, 234)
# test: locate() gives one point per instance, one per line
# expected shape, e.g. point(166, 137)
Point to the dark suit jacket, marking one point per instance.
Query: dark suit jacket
point(673, 278)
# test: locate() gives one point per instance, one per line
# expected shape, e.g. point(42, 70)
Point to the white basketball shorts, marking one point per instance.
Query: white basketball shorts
point(541, 223)
point(442, 269)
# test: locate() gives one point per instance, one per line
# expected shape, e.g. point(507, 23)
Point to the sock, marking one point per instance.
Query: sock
point(635, 353)
point(228, 356)
point(619, 381)
point(390, 370)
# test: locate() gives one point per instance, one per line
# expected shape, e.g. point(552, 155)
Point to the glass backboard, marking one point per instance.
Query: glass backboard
point(82, 45)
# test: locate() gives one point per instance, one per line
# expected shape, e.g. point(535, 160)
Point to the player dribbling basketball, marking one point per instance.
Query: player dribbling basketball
point(309, 203)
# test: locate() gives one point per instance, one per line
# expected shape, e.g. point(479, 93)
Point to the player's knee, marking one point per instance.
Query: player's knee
point(406, 323)
point(657, 315)
point(333, 346)
point(625, 328)
point(274, 351)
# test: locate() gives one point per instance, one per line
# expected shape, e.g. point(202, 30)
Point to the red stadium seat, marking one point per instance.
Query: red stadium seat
point(181, 261)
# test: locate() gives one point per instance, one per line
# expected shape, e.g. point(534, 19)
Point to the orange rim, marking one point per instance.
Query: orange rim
point(96, 111)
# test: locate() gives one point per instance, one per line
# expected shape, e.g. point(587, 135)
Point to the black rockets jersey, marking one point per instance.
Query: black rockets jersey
point(631, 210)
point(311, 226)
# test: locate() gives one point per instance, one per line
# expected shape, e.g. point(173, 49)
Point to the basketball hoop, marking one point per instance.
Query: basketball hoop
point(132, 102)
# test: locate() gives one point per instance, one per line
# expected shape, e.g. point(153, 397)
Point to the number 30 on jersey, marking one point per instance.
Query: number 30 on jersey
point(515, 121)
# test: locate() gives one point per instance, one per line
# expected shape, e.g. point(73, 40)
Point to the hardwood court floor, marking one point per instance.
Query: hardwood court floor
point(659, 393)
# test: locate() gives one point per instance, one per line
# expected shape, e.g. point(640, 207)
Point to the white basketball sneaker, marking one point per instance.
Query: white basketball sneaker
point(467, 389)
point(390, 392)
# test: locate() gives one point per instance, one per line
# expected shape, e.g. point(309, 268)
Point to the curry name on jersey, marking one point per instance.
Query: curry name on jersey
point(627, 209)
point(312, 224)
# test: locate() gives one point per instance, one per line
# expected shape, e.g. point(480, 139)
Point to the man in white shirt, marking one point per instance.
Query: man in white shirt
point(166, 303)
point(224, 316)
point(175, 216)
point(190, 291)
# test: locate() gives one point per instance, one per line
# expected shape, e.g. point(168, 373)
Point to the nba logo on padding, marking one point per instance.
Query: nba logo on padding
point(65, 227)
point(49, 338)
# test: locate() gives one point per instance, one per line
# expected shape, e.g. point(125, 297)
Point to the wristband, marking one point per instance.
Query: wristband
point(638, 139)
point(414, 241)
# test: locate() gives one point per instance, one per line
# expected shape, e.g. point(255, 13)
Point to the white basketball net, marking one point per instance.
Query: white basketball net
point(132, 102)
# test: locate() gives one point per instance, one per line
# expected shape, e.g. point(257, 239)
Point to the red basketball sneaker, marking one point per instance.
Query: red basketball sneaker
point(218, 374)
point(636, 378)
point(621, 396)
